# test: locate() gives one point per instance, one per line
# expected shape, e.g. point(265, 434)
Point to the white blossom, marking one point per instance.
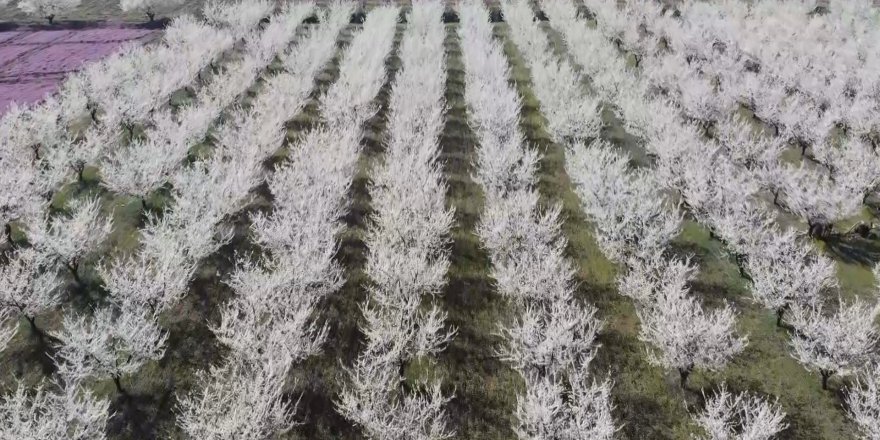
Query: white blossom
point(368, 400)
point(28, 286)
point(683, 335)
point(554, 340)
point(239, 16)
point(109, 344)
point(68, 239)
point(729, 416)
point(785, 272)
point(631, 215)
point(72, 413)
point(863, 402)
point(238, 401)
point(8, 328)
point(838, 343)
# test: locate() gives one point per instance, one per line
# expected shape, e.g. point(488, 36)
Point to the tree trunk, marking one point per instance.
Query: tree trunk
point(51, 19)
point(779, 312)
point(94, 114)
point(741, 266)
point(32, 320)
point(743, 273)
point(34, 329)
point(8, 231)
point(151, 15)
point(73, 267)
point(820, 229)
point(713, 235)
point(118, 384)
point(683, 374)
point(825, 375)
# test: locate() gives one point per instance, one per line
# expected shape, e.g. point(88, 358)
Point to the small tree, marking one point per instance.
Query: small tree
point(27, 286)
point(655, 275)
point(550, 410)
point(741, 416)
point(540, 410)
point(238, 400)
point(68, 239)
point(747, 148)
point(47, 9)
point(818, 198)
point(863, 402)
point(838, 343)
point(372, 399)
point(682, 335)
point(108, 345)
point(74, 413)
point(154, 282)
point(551, 339)
point(148, 6)
point(590, 407)
point(630, 213)
point(270, 315)
point(141, 168)
point(785, 272)
point(240, 16)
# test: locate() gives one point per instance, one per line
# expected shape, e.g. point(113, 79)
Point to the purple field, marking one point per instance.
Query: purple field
point(33, 62)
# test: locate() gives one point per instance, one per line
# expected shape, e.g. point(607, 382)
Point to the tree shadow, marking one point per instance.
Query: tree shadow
point(637, 409)
point(482, 385)
point(135, 415)
point(853, 249)
point(35, 351)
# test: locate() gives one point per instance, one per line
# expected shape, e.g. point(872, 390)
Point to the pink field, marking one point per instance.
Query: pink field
point(33, 63)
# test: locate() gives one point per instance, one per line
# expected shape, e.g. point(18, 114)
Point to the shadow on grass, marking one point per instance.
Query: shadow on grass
point(136, 415)
point(483, 386)
point(320, 379)
point(853, 249)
